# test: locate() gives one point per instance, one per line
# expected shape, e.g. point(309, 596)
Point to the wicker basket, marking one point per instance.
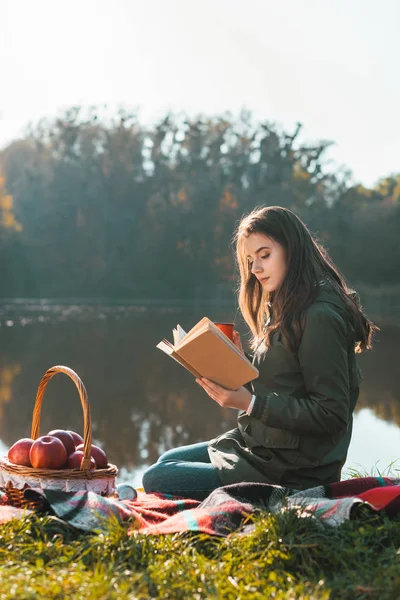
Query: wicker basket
point(14, 479)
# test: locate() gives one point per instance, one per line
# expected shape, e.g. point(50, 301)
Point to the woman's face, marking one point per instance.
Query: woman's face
point(267, 260)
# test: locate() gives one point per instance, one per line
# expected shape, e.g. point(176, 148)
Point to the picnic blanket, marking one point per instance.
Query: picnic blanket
point(225, 510)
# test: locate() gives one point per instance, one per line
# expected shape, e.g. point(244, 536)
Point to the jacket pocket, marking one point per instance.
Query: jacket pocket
point(280, 438)
point(256, 433)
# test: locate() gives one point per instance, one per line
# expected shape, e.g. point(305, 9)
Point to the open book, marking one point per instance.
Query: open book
point(207, 352)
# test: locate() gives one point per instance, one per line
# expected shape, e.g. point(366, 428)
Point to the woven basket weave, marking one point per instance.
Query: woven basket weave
point(15, 478)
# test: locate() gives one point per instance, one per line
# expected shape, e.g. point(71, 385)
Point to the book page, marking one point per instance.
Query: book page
point(196, 330)
point(167, 347)
point(179, 333)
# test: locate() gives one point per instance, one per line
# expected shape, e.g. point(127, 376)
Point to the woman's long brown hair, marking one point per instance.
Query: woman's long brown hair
point(308, 263)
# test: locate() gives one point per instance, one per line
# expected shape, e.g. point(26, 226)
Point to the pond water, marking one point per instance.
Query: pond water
point(142, 402)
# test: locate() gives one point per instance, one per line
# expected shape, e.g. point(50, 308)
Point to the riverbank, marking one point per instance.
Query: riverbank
point(285, 557)
point(381, 303)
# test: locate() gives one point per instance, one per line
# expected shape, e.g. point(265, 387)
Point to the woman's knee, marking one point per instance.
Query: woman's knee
point(168, 455)
point(148, 478)
point(178, 453)
point(197, 452)
point(151, 479)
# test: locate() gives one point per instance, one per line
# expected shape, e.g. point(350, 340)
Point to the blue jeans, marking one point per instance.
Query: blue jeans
point(186, 471)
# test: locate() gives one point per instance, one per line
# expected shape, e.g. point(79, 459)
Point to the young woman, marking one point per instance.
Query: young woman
point(295, 420)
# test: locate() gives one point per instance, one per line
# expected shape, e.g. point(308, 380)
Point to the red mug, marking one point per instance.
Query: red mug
point(227, 329)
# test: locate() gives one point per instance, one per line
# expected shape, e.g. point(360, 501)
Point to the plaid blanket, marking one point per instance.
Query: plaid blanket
point(225, 510)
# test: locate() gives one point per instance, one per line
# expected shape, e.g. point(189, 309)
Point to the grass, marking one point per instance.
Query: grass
point(285, 557)
point(391, 470)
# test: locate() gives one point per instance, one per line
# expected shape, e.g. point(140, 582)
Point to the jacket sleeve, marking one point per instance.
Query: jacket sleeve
point(323, 358)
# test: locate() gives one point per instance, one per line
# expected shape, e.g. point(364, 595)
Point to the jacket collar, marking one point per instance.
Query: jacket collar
point(326, 293)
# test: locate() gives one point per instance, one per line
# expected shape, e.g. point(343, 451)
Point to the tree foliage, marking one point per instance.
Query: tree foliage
point(115, 209)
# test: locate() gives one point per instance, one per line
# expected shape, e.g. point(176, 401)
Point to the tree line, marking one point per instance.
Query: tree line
point(112, 208)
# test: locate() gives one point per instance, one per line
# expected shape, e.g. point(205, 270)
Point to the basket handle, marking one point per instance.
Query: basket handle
point(87, 420)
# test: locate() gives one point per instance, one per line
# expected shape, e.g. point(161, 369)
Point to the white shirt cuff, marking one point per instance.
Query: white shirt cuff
point(253, 399)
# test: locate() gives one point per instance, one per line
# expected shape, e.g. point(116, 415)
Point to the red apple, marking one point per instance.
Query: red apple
point(78, 439)
point(75, 459)
point(48, 452)
point(98, 454)
point(66, 439)
point(19, 452)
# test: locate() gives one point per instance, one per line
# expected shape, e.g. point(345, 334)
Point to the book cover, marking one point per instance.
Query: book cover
point(205, 351)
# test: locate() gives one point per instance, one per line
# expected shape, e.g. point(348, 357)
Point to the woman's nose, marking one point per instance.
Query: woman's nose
point(256, 267)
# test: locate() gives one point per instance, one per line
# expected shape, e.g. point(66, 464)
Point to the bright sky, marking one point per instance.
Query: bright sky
point(331, 64)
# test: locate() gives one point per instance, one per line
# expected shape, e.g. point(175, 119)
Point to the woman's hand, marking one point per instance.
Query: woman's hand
point(237, 341)
point(239, 399)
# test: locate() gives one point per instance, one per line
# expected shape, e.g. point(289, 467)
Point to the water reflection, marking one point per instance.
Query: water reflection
point(375, 446)
point(142, 402)
point(381, 390)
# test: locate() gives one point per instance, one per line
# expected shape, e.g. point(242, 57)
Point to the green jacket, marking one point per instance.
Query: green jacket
point(299, 429)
